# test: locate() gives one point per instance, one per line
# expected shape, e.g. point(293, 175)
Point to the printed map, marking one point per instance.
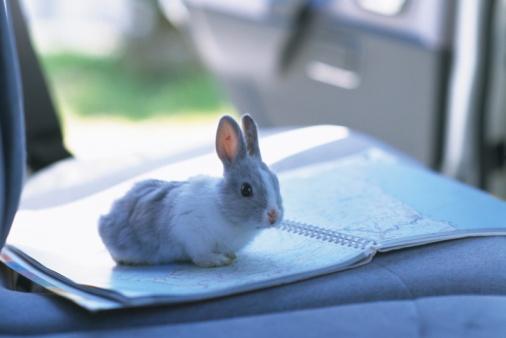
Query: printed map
point(343, 198)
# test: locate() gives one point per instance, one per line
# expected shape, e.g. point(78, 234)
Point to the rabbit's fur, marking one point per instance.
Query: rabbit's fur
point(204, 219)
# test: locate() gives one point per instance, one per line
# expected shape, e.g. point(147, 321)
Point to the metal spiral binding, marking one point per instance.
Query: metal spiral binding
point(327, 235)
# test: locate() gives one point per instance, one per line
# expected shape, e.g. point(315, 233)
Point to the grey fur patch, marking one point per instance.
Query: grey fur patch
point(132, 228)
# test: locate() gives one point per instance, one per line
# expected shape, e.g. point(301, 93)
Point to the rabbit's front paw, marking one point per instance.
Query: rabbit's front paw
point(213, 260)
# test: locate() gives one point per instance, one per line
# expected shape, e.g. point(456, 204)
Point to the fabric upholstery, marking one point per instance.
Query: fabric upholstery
point(467, 266)
point(451, 316)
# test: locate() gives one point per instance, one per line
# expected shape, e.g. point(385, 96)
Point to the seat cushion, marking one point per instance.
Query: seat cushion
point(466, 266)
point(450, 316)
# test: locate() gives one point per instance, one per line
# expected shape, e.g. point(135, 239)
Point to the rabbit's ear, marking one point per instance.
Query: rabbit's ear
point(229, 141)
point(250, 133)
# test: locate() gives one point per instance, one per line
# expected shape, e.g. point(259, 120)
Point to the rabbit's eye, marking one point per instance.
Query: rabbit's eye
point(246, 190)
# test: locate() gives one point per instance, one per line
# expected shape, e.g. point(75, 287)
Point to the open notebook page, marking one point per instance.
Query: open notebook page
point(375, 196)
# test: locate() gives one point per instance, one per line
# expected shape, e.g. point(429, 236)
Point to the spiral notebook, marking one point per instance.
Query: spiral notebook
point(338, 215)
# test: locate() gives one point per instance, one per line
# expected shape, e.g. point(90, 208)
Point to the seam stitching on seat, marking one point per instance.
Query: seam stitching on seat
point(413, 300)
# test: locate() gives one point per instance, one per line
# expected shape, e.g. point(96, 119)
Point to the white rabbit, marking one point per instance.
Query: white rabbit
point(205, 220)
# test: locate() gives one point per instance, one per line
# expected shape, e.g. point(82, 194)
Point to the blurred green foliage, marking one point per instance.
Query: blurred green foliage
point(110, 86)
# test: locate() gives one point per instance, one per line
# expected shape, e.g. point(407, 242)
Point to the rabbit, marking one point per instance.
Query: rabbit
point(205, 220)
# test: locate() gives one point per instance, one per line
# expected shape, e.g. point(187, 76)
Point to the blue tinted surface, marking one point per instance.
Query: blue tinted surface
point(440, 197)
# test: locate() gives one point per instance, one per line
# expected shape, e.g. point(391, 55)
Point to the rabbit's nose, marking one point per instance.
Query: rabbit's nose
point(273, 216)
